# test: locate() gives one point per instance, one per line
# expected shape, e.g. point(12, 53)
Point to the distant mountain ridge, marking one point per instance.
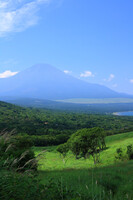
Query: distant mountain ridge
point(92, 108)
point(44, 81)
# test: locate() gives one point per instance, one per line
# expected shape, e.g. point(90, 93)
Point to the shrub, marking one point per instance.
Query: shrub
point(130, 152)
point(119, 154)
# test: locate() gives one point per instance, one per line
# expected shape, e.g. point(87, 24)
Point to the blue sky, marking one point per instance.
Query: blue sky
point(90, 39)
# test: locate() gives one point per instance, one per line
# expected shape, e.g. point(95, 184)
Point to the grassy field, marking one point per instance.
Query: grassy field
point(97, 101)
point(101, 183)
point(109, 180)
point(53, 160)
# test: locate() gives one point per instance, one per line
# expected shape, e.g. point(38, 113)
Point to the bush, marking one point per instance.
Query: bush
point(122, 155)
point(130, 152)
point(119, 154)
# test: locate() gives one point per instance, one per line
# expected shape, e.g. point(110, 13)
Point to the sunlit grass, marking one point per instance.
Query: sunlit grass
point(54, 161)
point(109, 180)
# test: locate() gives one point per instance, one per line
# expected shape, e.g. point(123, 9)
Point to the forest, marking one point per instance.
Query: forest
point(52, 127)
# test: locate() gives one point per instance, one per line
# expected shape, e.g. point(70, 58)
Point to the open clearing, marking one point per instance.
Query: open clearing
point(53, 160)
point(106, 181)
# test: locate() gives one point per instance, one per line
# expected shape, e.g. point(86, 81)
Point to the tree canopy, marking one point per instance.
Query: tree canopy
point(86, 142)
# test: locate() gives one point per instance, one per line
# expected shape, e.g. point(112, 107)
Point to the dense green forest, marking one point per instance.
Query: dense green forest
point(51, 127)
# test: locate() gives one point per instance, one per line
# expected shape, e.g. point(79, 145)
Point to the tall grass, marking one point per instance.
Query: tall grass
point(106, 183)
point(16, 158)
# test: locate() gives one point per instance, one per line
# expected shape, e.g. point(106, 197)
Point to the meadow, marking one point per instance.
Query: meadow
point(109, 179)
point(52, 160)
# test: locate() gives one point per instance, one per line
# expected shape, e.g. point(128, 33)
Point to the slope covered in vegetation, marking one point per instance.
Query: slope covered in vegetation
point(54, 161)
point(111, 179)
point(64, 177)
point(48, 122)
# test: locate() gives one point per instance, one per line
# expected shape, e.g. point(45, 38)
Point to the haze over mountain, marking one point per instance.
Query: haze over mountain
point(43, 81)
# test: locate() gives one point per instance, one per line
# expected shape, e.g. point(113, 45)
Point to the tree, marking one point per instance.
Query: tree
point(87, 142)
point(63, 149)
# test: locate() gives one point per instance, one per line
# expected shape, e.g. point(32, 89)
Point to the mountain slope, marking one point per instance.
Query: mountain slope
point(46, 82)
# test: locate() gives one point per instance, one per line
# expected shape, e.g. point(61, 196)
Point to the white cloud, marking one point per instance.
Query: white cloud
point(131, 81)
point(67, 72)
point(7, 74)
point(17, 15)
point(87, 74)
point(111, 77)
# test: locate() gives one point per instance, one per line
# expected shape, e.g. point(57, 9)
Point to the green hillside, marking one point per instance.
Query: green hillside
point(109, 180)
point(53, 160)
point(66, 178)
point(34, 121)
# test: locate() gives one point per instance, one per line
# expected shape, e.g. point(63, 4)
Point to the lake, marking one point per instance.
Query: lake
point(128, 113)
